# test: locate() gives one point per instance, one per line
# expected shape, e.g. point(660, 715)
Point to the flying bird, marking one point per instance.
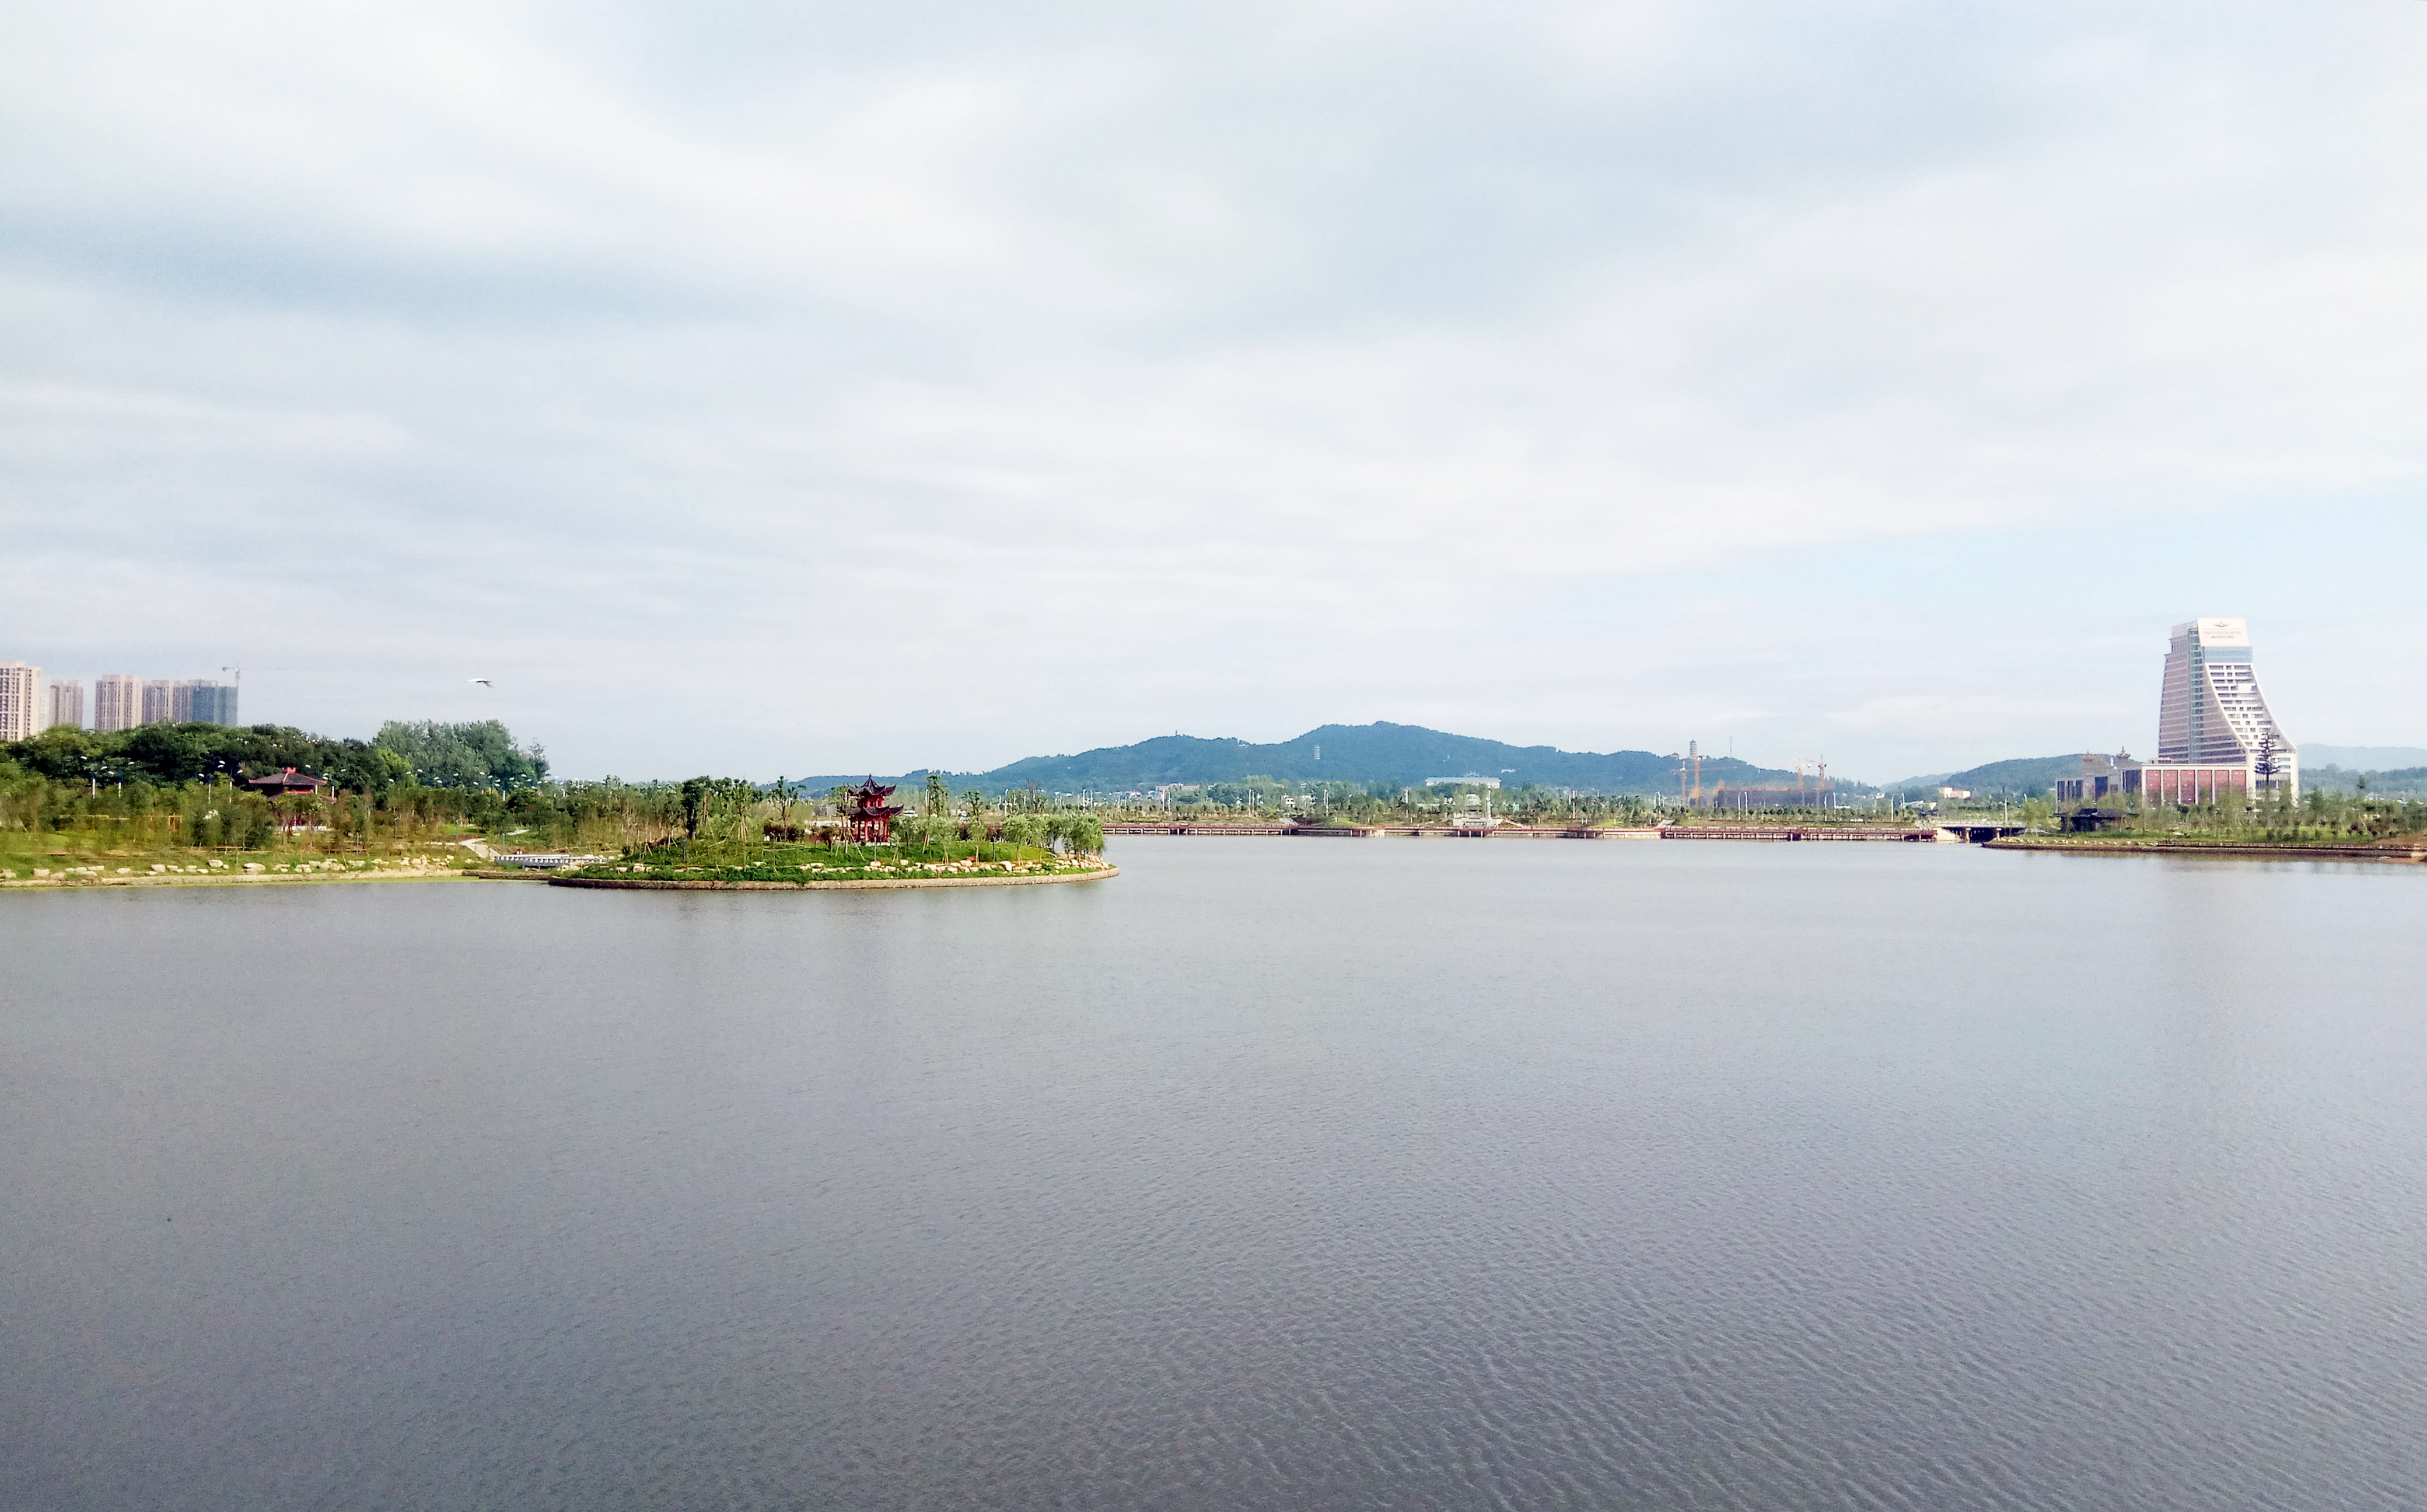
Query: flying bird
point(482, 681)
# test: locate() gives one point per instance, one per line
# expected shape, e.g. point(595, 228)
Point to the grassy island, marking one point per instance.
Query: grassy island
point(733, 839)
point(798, 864)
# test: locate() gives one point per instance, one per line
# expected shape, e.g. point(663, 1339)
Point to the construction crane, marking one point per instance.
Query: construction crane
point(240, 672)
point(1690, 764)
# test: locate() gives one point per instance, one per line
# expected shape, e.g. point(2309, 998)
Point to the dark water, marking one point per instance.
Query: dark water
point(1273, 1174)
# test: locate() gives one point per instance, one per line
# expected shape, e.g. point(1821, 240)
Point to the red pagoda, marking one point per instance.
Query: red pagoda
point(871, 815)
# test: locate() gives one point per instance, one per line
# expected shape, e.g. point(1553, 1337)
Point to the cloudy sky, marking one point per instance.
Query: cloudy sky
point(794, 389)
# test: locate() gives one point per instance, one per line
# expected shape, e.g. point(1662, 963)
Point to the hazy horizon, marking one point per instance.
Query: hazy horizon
point(759, 389)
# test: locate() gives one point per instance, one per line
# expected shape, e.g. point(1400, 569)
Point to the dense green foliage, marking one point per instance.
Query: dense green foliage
point(2410, 782)
point(165, 788)
point(2321, 816)
point(481, 755)
point(170, 754)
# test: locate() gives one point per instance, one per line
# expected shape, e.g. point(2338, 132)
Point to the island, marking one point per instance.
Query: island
point(867, 846)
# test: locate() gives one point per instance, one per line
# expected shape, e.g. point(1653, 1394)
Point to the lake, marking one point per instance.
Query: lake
point(1274, 1173)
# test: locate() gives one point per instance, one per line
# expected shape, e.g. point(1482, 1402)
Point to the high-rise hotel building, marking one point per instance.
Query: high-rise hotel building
point(2217, 739)
point(2215, 732)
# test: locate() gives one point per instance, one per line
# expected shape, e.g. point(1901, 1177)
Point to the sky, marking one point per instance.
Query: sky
point(761, 389)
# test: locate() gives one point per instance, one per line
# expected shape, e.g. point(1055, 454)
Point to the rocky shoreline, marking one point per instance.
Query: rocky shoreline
point(873, 883)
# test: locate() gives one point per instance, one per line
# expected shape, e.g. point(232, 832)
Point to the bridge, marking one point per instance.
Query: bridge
point(1983, 833)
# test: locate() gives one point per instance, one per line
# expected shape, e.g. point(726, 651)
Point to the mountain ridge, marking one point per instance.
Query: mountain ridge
point(1382, 752)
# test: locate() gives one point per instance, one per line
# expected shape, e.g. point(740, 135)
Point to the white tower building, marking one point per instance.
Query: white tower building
point(2212, 713)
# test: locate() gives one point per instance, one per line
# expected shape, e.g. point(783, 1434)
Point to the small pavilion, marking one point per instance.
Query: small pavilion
point(871, 815)
point(286, 783)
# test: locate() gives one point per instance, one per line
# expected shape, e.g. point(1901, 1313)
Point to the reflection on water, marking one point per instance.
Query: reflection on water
point(1272, 1174)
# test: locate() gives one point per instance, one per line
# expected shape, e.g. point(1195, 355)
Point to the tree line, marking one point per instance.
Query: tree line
point(188, 785)
point(184, 786)
point(427, 753)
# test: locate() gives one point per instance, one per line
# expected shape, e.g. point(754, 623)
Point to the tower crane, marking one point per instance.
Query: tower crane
point(1690, 765)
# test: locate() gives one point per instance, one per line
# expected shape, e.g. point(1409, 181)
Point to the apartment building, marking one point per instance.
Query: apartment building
point(64, 705)
point(211, 703)
point(117, 702)
point(20, 691)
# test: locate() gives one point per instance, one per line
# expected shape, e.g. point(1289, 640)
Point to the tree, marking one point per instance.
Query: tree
point(1025, 830)
point(61, 752)
point(1079, 832)
point(167, 753)
point(477, 754)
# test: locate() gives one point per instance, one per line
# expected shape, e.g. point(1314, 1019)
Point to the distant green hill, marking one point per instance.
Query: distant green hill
point(2022, 777)
point(1399, 754)
point(2403, 782)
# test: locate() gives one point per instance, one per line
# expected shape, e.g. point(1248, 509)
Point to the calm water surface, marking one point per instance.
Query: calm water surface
point(1273, 1174)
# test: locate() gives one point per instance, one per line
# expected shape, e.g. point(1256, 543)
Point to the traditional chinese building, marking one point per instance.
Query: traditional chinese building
point(871, 815)
point(289, 782)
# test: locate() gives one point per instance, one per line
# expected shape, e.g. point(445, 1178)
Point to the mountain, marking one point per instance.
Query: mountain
point(2022, 777)
point(2364, 758)
point(1927, 779)
point(1398, 755)
point(2402, 782)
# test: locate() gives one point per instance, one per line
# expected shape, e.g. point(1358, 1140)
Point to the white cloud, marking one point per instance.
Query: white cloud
point(1221, 370)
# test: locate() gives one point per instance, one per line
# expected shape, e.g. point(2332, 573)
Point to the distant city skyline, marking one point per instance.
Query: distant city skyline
point(122, 701)
point(2211, 709)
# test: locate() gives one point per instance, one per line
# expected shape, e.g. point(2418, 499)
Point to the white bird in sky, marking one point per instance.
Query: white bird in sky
point(482, 681)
